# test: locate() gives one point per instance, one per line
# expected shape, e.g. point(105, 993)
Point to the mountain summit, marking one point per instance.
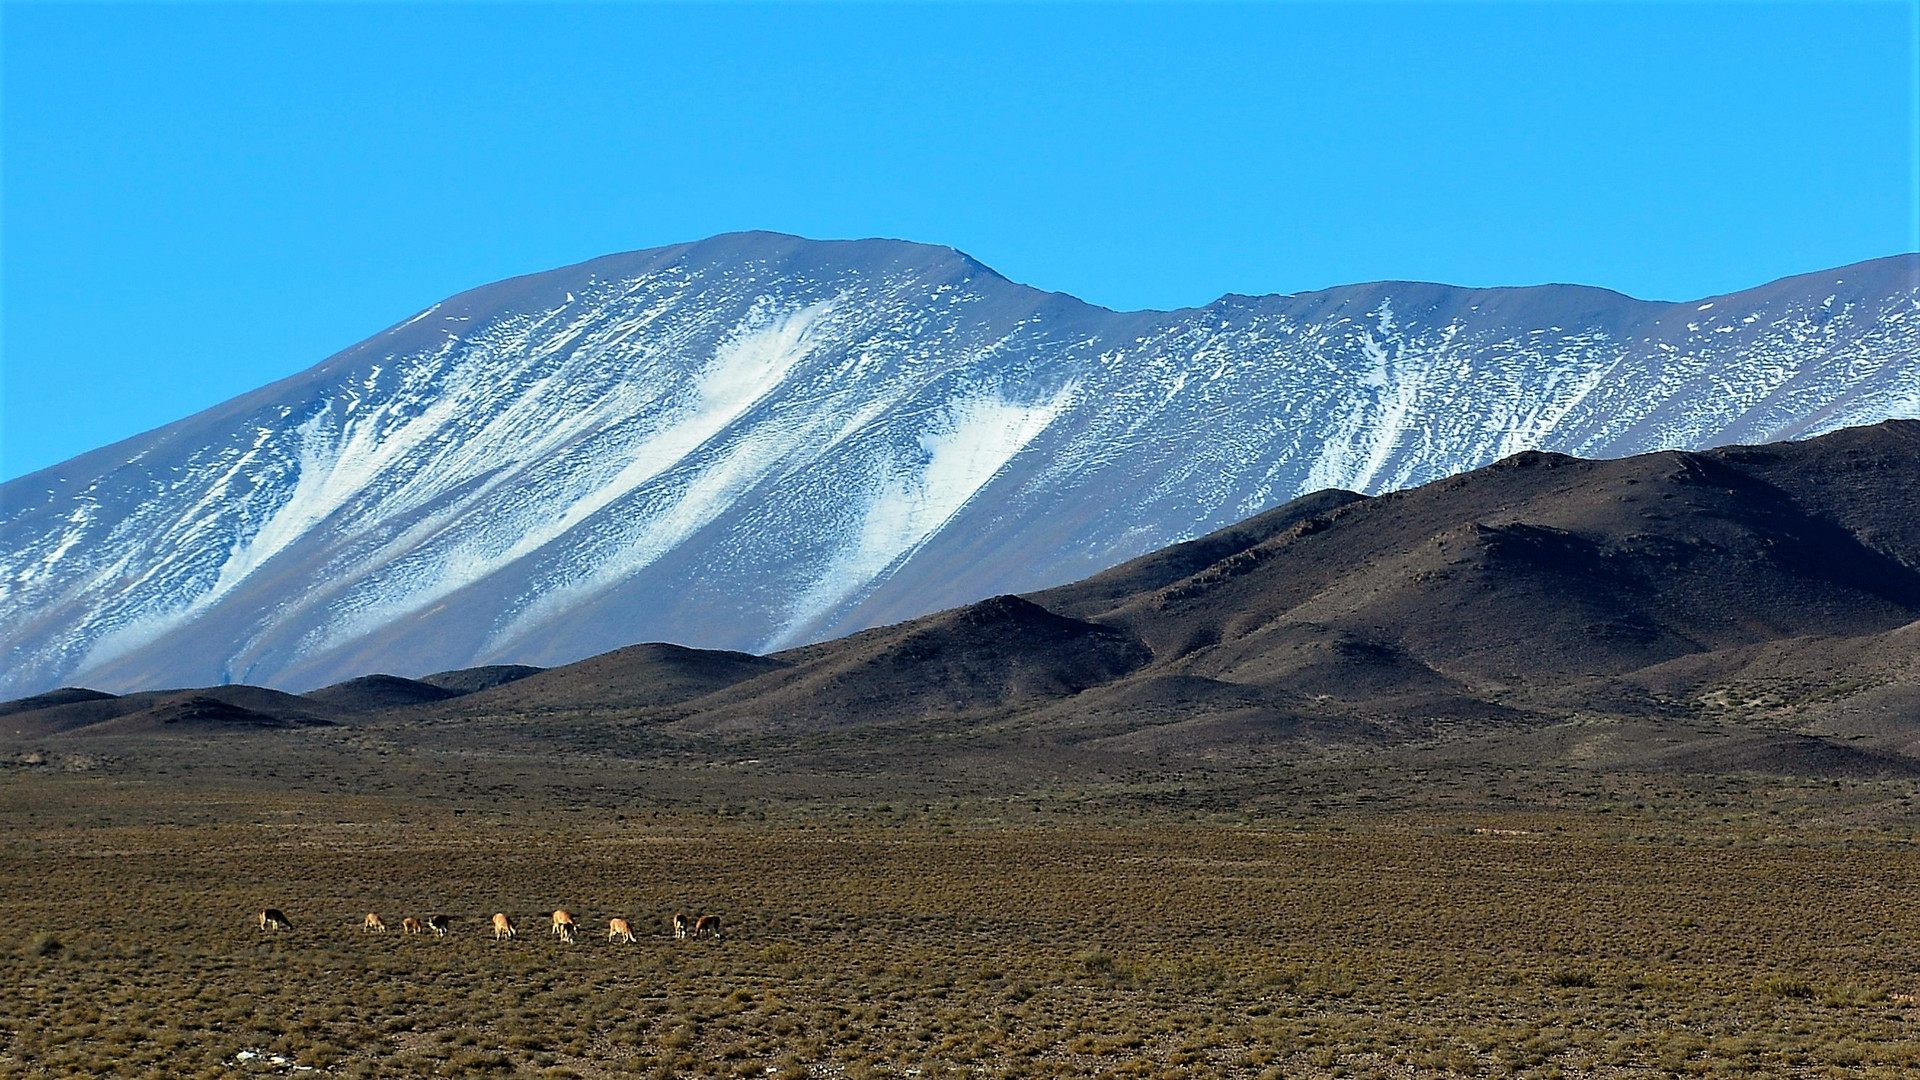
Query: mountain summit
point(757, 441)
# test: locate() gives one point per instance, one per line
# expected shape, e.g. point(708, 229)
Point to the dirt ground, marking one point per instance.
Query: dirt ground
point(1690, 932)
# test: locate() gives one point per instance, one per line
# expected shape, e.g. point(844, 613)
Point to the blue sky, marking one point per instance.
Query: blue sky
point(200, 199)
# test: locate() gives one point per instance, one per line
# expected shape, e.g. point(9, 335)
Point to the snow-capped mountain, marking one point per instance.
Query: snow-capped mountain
point(757, 441)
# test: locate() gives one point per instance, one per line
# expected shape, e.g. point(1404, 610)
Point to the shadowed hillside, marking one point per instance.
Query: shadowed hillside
point(1768, 593)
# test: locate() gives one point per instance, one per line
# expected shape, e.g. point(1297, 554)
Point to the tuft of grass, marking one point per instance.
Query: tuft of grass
point(1097, 961)
point(1786, 986)
point(43, 945)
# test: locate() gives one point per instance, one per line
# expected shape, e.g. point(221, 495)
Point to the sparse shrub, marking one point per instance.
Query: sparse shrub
point(1097, 961)
point(1786, 986)
point(1226, 949)
point(43, 945)
point(1851, 995)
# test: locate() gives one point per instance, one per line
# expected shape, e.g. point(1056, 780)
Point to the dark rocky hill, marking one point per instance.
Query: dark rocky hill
point(1768, 596)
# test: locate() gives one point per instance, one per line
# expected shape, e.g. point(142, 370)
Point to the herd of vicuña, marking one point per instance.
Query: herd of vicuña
point(562, 926)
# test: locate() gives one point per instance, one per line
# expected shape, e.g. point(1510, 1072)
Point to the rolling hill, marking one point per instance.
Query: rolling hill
point(1747, 608)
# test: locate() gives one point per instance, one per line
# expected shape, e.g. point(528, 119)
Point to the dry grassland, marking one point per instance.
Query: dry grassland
point(912, 941)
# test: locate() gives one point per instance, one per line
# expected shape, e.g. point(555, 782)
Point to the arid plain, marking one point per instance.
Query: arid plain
point(1555, 769)
point(1357, 919)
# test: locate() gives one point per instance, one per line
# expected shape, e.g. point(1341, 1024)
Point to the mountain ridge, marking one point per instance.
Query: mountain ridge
point(756, 440)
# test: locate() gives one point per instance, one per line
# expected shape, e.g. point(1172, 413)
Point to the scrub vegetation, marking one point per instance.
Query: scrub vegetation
point(1708, 928)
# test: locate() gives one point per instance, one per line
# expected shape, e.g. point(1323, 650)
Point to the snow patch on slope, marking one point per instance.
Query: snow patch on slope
point(970, 444)
point(327, 477)
point(747, 367)
point(743, 371)
point(1369, 429)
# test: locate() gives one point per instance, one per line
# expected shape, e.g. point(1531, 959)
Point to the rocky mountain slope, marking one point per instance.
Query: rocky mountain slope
point(757, 441)
point(1750, 609)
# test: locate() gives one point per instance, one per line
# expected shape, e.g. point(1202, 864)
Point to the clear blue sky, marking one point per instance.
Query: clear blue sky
point(200, 199)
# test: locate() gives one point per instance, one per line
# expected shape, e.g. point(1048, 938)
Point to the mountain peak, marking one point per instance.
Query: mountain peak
point(756, 441)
